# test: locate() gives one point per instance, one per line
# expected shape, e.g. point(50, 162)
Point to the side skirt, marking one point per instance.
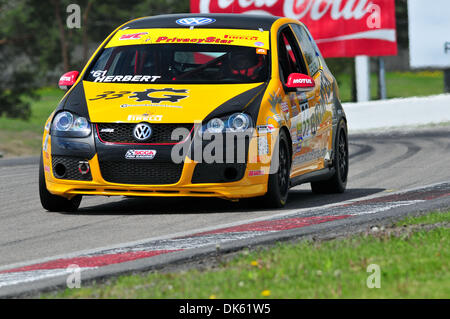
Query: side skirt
point(316, 176)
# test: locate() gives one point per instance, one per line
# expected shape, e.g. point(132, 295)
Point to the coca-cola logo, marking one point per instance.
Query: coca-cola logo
point(296, 9)
point(341, 28)
point(351, 9)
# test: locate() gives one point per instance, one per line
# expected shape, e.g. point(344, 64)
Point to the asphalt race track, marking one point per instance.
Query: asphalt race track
point(382, 166)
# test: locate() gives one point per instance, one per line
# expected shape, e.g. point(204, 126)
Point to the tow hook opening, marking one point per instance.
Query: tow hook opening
point(230, 173)
point(60, 170)
point(83, 167)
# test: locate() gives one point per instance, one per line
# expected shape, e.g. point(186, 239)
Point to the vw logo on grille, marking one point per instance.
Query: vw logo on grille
point(142, 131)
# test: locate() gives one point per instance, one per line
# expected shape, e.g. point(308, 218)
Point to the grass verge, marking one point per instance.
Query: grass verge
point(414, 263)
point(399, 84)
point(19, 137)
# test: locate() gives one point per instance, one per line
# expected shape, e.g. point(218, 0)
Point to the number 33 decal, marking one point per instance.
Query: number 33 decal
point(109, 95)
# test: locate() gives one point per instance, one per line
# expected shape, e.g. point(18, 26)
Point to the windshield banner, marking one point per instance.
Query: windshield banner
point(248, 38)
point(341, 28)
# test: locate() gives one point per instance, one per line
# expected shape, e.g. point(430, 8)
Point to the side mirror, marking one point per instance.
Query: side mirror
point(68, 79)
point(301, 82)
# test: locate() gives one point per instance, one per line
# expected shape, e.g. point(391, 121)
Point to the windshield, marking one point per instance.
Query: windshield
point(180, 63)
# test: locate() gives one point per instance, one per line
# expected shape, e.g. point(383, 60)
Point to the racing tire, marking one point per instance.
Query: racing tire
point(54, 203)
point(279, 182)
point(338, 182)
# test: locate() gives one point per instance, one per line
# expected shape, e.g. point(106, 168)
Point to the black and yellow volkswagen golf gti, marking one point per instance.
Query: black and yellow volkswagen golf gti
point(227, 106)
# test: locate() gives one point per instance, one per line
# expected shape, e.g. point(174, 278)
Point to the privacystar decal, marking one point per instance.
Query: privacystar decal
point(193, 40)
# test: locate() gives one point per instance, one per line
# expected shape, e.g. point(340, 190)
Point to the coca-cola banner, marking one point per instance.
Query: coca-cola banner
point(341, 28)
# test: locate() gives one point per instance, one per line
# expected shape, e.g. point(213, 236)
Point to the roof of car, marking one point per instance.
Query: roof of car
point(222, 21)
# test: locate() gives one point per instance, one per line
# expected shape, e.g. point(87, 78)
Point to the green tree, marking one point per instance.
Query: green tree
point(17, 81)
point(36, 45)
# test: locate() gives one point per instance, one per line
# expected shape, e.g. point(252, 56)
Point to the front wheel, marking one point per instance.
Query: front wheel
point(278, 184)
point(338, 182)
point(52, 202)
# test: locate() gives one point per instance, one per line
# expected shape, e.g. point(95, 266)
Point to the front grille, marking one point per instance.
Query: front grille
point(141, 172)
point(123, 133)
point(66, 167)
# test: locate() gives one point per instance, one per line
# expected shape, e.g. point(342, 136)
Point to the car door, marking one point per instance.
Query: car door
point(299, 106)
point(322, 108)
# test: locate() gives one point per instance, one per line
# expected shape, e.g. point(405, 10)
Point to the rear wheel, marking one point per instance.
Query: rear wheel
point(52, 202)
point(338, 182)
point(278, 184)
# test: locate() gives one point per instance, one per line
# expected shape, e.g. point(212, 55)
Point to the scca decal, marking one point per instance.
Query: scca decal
point(145, 95)
point(140, 154)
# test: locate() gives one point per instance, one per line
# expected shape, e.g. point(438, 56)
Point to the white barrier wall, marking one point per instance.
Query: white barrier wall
point(398, 112)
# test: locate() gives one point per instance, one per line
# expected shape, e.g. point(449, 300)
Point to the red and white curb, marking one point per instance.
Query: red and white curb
point(294, 219)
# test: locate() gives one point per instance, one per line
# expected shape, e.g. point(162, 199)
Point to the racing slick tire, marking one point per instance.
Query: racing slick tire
point(278, 184)
point(338, 182)
point(54, 203)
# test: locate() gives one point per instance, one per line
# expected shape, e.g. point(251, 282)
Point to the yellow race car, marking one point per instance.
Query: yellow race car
point(229, 106)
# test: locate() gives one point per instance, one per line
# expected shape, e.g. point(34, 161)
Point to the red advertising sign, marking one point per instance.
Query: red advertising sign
point(341, 28)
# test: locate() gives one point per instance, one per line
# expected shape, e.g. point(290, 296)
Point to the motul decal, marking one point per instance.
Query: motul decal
point(302, 81)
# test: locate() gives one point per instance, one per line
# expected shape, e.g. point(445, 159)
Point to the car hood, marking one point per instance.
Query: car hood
point(161, 103)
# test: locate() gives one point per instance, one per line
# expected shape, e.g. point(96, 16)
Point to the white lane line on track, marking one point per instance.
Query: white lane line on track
point(383, 207)
point(183, 243)
point(286, 213)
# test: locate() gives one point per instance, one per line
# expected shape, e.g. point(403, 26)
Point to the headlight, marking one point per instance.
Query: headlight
point(238, 122)
point(70, 125)
point(215, 126)
point(63, 121)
